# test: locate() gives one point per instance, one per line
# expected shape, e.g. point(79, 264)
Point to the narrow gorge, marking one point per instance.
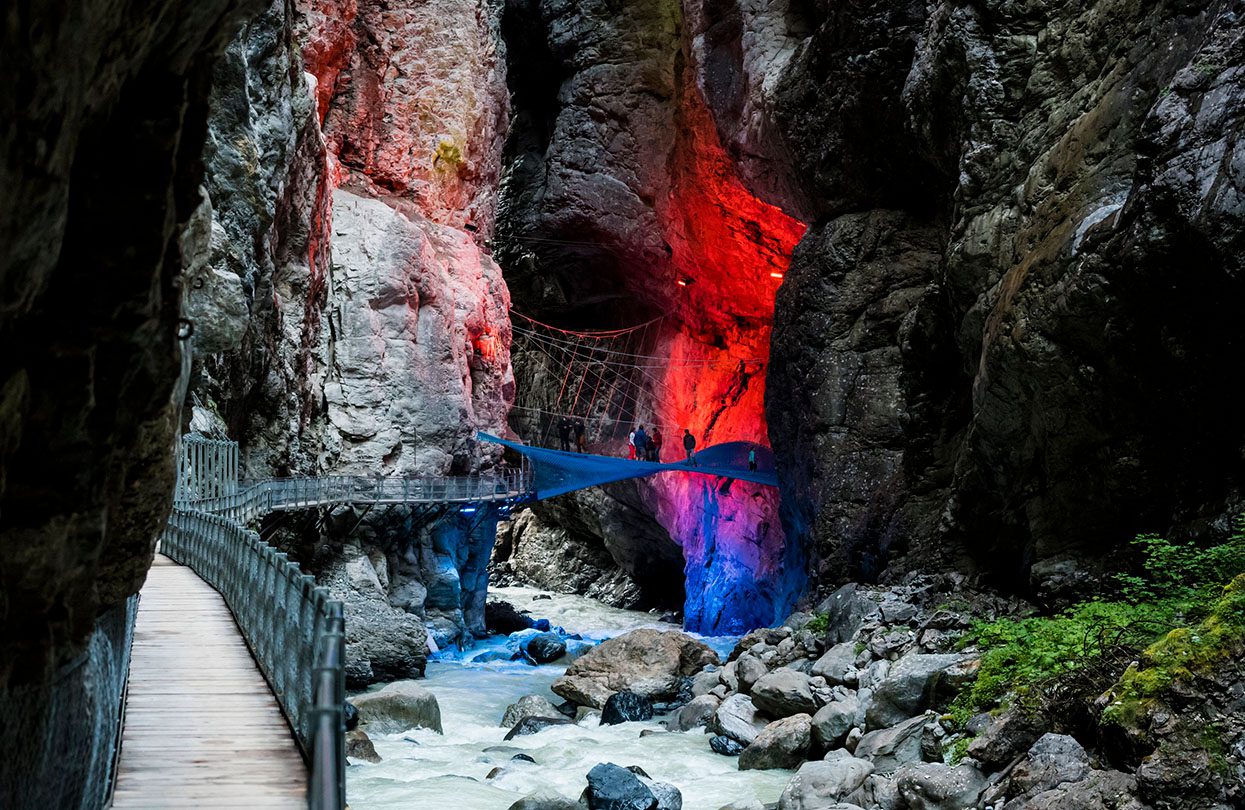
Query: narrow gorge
point(946, 293)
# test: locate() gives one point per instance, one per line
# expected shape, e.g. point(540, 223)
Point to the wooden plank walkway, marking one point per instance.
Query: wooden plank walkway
point(202, 728)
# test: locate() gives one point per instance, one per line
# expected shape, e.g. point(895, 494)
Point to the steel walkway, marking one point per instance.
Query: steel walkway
point(202, 727)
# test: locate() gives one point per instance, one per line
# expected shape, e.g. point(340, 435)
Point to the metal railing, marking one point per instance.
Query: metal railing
point(259, 498)
point(295, 629)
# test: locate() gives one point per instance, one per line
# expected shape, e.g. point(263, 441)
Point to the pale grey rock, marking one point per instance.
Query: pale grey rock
point(836, 663)
point(398, 707)
point(822, 785)
point(545, 800)
point(782, 693)
point(528, 706)
point(1053, 760)
point(833, 721)
point(749, 668)
point(652, 663)
point(783, 743)
point(913, 684)
point(737, 718)
point(935, 786)
point(890, 748)
point(699, 712)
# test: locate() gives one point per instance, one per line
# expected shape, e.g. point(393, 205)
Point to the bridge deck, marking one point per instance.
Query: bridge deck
point(202, 728)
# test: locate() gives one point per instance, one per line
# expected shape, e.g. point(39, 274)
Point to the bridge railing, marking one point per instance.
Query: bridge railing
point(251, 502)
point(295, 630)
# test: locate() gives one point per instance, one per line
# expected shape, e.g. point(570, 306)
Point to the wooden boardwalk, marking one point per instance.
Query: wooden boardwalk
point(202, 728)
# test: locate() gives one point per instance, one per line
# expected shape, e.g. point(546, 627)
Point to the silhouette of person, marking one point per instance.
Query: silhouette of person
point(641, 443)
point(654, 445)
point(564, 433)
point(752, 460)
point(689, 445)
point(580, 443)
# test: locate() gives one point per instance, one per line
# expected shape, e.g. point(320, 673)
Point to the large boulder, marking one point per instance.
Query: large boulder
point(653, 663)
point(1099, 790)
point(782, 693)
point(749, 669)
point(528, 706)
point(727, 747)
point(545, 800)
point(836, 663)
point(913, 684)
point(737, 718)
point(782, 744)
point(1008, 736)
point(695, 714)
point(890, 748)
point(1053, 760)
point(823, 785)
point(397, 707)
point(625, 707)
point(846, 611)
point(611, 787)
point(832, 721)
point(935, 786)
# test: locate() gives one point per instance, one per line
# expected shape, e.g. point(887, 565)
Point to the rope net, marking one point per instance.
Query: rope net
point(600, 383)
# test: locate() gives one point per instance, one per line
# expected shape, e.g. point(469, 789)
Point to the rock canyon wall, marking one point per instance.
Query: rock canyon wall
point(1003, 345)
point(351, 320)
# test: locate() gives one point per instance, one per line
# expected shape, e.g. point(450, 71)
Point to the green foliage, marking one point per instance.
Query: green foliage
point(1182, 654)
point(958, 750)
point(1087, 646)
point(819, 624)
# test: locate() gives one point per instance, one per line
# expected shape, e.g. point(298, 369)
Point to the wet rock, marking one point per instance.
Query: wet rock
point(743, 804)
point(359, 747)
point(528, 706)
point(782, 693)
point(890, 748)
point(398, 707)
point(824, 784)
point(505, 618)
point(350, 715)
point(625, 707)
point(727, 747)
point(533, 725)
point(784, 743)
point(1008, 736)
point(652, 663)
point(522, 758)
point(545, 648)
point(695, 714)
point(1053, 760)
point(545, 801)
point(611, 787)
point(832, 721)
point(705, 682)
point(935, 786)
point(836, 663)
point(737, 718)
point(913, 684)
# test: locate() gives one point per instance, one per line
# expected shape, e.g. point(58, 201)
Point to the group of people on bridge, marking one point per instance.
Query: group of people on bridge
point(643, 447)
point(569, 428)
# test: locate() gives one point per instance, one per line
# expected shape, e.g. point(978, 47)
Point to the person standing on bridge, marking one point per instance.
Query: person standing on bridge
point(752, 460)
point(581, 443)
point(631, 445)
point(654, 445)
point(564, 433)
point(689, 445)
point(641, 443)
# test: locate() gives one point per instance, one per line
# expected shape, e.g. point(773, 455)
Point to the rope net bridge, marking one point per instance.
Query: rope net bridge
point(557, 472)
point(601, 384)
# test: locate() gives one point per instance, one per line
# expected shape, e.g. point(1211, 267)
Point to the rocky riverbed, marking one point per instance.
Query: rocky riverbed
point(839, 708)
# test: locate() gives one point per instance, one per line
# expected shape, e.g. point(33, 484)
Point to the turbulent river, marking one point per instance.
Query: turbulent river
point(423, 769)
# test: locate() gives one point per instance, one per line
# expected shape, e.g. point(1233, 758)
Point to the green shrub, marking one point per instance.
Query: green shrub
point(819, 624)
point(1081, 651)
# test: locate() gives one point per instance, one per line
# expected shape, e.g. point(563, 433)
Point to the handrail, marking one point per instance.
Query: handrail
point(294, 628)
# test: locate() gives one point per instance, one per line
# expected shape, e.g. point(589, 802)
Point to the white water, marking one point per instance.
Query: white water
point(425, 769)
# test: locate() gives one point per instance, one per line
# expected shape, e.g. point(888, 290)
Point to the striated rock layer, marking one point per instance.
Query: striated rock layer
point(1003, 344)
